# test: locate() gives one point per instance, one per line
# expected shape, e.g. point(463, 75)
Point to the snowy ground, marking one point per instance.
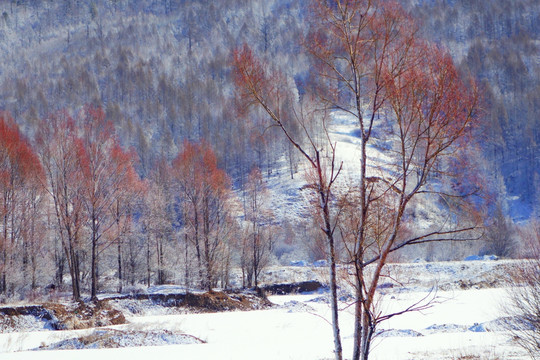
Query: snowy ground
point(464, 322)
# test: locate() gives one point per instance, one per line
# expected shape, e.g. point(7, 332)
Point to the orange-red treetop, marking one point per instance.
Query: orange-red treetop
point(18, 161)
point(196, 166)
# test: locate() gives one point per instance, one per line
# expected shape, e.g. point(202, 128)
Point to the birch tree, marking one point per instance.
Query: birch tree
point(369, 63)
point(205, 191)
point(59, 149)
point(107, 174)
point(20, 191)
point(269, 90)
point(257, 241)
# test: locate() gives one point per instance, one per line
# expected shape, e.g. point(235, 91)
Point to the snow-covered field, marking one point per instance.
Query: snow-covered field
point(464, 321)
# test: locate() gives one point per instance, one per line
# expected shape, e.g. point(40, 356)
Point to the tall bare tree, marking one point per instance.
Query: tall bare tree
point(257, 241)
point(206, 195)
point(20, 173)
point(108, 174)
point(59, 148)
point(269, 91)
point(370, 65)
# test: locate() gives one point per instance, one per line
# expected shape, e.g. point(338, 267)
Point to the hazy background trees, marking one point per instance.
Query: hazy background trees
point(497, 42)
point(160, 71)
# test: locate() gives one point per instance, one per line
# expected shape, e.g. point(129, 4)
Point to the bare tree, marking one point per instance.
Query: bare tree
point(123, 205)
point(369, 64)
point(523, 305)
point(58, 149)
point(257, 241)
point(108, 173)
point(20, 192)
point(269, 91)
point(206, 195)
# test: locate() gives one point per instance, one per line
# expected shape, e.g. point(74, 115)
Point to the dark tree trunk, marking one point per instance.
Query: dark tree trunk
point(119, 259)
point(148, 268)
point(186, 269)
point(93, 271)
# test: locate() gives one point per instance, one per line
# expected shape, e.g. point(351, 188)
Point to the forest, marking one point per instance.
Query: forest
point(127, 159)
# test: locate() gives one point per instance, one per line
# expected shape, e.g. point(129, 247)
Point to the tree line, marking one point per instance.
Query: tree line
point(148, 65)
point(74, 208)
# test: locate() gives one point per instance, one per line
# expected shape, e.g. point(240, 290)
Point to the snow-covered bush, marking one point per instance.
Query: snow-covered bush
point(524, 299)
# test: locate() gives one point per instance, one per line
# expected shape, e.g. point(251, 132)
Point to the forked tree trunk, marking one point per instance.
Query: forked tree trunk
point(73, 261)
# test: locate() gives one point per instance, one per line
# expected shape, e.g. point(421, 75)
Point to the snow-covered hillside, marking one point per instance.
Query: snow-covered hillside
point(290, 199)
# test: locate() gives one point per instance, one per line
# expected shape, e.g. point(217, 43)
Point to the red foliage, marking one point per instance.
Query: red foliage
point(249, 75)
point(433, 106)
point(197, 166)
point(258, 84)
point(20, 177)
point(19, 163)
